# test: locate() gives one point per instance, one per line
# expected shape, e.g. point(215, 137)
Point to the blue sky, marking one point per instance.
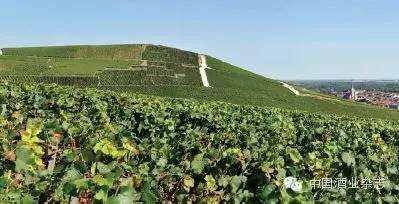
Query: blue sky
point(303, 39)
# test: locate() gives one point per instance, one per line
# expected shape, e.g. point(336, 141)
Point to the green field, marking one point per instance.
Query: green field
point(163, 71)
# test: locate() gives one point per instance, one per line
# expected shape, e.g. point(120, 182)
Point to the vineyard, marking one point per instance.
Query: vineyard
point(164, 71)
point(166, 54)
point(101, 66)
point(82, 51)
point(61, 144)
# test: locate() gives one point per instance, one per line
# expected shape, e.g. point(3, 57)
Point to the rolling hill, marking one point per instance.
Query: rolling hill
point(164, 71)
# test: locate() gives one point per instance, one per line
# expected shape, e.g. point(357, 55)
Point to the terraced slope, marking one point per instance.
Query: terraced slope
point(164, 71)
point(80, 51)
point(104, 66)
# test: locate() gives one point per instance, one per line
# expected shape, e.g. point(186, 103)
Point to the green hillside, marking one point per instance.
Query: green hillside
point(80, 51)
point(62, 144)
point(103, 66)
point(164, 71)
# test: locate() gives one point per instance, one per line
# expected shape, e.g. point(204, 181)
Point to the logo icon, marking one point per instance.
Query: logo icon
point(292, 183)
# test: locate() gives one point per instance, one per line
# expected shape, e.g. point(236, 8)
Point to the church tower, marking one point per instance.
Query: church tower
point(353, 93)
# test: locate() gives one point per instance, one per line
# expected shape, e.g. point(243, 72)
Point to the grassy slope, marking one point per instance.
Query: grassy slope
point(260, 91)
point(80, 51)
point(59, 66)
point(229, 83)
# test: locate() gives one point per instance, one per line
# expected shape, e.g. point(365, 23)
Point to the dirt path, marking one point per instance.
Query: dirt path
point(203, 66)
point(291, 88)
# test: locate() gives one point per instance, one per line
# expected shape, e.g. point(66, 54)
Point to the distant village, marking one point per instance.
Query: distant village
point(378, 98)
